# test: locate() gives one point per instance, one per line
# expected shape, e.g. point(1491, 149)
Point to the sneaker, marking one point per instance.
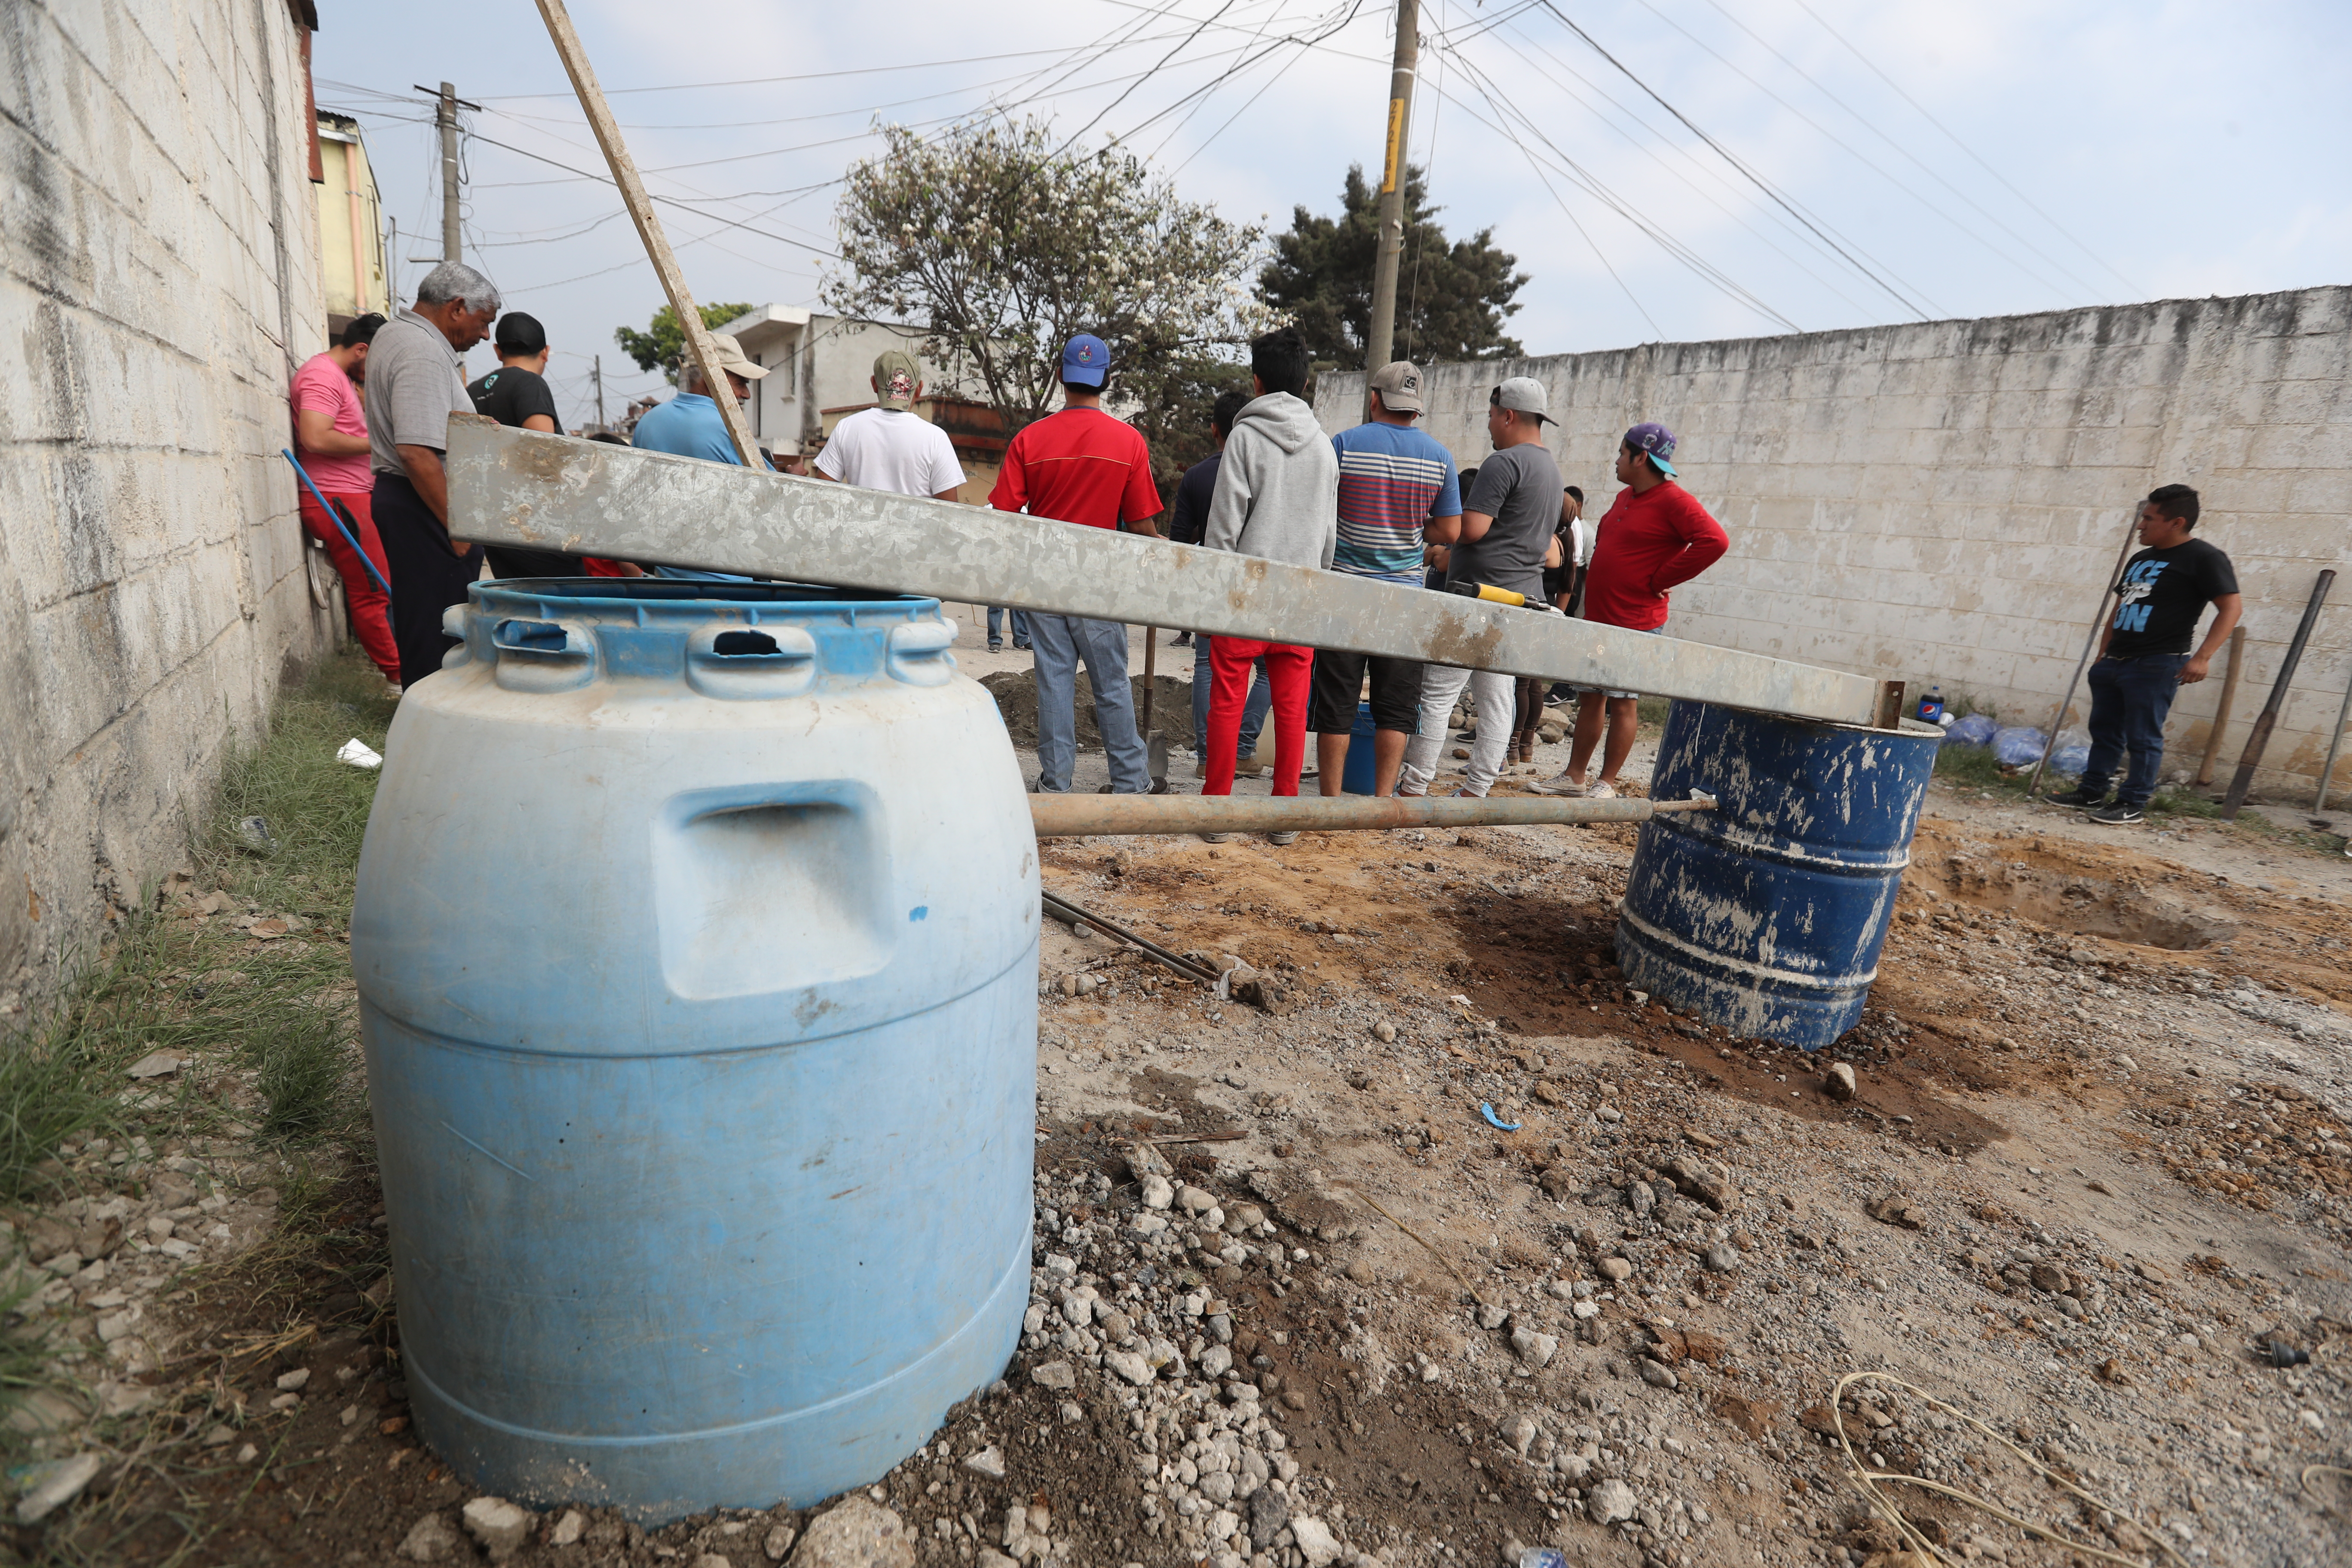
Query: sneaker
point(1559, 784)
point(1182, 639)
point(392, 690)
point(1219, 837)
point(1466, 792)
point(1022, 646)
point(2115, 816)
point(1248, 767)
point(996, 645)
point(2077, 797)
point(1601, 790)
point(1279, 840)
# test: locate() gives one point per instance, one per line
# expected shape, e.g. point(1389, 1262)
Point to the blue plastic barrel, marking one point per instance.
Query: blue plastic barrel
point(1766, 915)
point(1362, 773)
point(697, 948)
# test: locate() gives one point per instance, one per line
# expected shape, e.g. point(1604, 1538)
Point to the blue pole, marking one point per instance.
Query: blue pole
point(337, 518)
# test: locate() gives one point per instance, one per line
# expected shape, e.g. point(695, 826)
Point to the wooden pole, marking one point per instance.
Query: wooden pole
point(2058, 720)
point(2221, 714)
point(649, 229)
point(1389, 246)
point(2259, 736)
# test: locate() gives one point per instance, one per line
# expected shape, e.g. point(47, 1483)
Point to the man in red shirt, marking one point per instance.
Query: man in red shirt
point(1655, 535)
point(330, 435)
point(1081, 465)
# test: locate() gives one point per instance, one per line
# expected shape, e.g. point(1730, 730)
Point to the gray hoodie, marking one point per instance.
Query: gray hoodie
point(1277, 491)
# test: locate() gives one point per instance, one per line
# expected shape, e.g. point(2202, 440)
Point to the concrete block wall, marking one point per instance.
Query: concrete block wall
point(1943, 502)
point(159, 281)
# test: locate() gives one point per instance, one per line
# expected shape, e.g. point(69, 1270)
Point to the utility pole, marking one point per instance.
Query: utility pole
point(446, 116)
point(599, 374)
point(1391, 244)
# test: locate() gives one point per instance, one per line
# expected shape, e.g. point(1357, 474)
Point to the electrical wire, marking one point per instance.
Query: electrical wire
point(769, 81)
point(668, 201)
point(1859, 157)
point(1696, 166)
point(1164, 60)
point(1963, 146)
point(1771, 192)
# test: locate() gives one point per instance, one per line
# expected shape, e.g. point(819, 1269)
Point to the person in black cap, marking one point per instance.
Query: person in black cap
point(517, 395)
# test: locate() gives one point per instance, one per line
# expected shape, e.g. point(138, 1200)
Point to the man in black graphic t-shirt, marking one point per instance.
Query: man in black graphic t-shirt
point(2143, 658)
point(517, 395)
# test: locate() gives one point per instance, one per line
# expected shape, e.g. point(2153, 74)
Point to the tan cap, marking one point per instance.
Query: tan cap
point(1399, 384)
point(896, 377)
point(731, 356)
point(1522, 394)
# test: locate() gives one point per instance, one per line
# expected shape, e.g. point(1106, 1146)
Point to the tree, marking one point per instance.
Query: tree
point(1005, 244)
point(662, 346)
point(1452, 298)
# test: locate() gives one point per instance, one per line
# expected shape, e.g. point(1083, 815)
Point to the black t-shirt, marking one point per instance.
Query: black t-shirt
point(1189, 519)
point(511, 396)
point(2164, 592)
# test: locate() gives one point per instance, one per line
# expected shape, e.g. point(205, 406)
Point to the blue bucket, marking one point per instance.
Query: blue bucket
point(1766, 915)
point(1362, 773)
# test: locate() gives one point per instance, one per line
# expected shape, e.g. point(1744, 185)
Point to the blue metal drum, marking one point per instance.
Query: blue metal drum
point(1766, 915)
point(697, 949)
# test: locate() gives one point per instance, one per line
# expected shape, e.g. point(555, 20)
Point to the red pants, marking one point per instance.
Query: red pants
point(1290, 671)
point(370, 610)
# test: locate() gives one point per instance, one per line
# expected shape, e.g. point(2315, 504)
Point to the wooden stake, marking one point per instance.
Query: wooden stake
point(2221, 714)
point(641, 213)
point(2259, 736)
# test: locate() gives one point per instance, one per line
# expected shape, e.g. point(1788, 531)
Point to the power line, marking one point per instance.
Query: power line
point(1857, 155)
point(1963, 146)
point(668, 201)
point(803, 76)
point(1771, 192)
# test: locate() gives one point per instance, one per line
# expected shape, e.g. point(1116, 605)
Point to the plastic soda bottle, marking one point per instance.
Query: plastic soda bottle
point(1931, 707)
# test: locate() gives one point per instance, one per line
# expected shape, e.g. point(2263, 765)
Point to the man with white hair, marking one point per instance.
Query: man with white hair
point(416, 381)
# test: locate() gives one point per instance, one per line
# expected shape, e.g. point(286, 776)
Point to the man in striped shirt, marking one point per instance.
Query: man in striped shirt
point(1397, 492)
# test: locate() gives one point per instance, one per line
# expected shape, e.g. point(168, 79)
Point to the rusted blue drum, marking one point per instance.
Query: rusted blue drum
point(1766, 915)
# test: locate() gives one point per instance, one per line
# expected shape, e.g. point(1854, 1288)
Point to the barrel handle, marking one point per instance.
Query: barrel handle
point(740, 664)
point(918, 653)
point(542, 655)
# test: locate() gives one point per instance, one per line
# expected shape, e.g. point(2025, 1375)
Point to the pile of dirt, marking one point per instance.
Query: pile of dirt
point(1015, 691)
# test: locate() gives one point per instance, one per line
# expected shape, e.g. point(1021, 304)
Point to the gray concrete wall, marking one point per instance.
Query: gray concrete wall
point(159, 280)
point(1943, 502)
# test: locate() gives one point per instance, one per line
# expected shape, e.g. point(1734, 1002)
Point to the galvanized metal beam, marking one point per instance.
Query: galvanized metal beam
point(1080, 816)
point(553, 492)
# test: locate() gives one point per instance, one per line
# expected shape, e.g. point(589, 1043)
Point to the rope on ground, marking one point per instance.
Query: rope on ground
point(2303, 1478)
point(1868, 1481)
point(1443, 1261)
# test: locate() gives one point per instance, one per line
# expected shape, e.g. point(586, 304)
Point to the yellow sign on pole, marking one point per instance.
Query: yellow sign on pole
point(1396, 144)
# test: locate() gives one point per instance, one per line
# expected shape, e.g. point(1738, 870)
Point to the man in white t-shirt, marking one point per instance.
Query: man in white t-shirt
point(889, 446)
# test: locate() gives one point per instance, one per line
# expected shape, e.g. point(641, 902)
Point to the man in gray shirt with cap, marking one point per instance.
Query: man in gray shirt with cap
point(1508, 521)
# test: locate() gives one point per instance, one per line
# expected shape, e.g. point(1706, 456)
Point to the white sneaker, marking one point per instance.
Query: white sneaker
point(392, 690)
point(1219, 837)
point(1466, 792)
point(1601, 790)
point(1287, 837)
point(1560, 784)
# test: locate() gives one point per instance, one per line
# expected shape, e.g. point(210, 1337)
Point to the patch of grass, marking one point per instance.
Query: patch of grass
point(1973, 767)
point(305, 1067)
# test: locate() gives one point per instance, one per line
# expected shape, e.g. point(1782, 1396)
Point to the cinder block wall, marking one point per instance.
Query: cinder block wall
point(1943, 502)
point(159, 280)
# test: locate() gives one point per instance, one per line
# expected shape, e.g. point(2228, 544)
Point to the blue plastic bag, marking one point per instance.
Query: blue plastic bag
point(2018, 746)
point(1975, 730)
point(2072, 754)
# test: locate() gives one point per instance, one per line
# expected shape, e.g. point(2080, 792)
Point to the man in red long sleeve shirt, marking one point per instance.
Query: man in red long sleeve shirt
point(1655, 536)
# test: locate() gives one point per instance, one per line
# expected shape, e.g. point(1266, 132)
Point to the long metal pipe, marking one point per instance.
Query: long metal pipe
point(553, 492)
point(1082, 815)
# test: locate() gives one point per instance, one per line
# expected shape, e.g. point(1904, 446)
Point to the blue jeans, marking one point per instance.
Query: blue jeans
point(1261, 698)
point(996, 613)
point(1061, 643)
point(2129, 700)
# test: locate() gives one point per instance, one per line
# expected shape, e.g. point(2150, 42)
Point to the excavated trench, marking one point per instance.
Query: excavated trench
point(2088, 906)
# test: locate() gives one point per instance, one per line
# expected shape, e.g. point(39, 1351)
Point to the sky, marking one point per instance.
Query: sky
point(1663, 170)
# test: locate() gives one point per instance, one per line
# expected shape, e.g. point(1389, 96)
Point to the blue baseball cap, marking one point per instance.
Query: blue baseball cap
point(1086, 358)
point(1657, 441)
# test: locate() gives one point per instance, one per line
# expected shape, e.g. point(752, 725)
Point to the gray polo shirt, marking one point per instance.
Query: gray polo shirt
point(414, 382)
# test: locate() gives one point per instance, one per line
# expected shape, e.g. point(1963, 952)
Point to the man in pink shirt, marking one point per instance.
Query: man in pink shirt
point(331, 437)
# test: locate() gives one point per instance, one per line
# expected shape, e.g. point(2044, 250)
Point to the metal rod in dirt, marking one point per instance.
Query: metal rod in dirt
point(2115, 575)
point(2335, 743)
point(2228, 701)
point(1062, 909)
point(1084, 815)
point(2265, 721)
point(557, 492)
